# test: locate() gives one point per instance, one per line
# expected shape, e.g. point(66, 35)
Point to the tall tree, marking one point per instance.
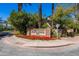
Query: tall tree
point(52, 9)
point(40, 15)
point(20, 7)
point(52, 13)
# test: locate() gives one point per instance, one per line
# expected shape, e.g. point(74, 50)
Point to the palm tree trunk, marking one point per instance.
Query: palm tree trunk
point(40, 15)
point(52, 8)
point(20, 7)
point(52, 20)
point(52, 12)
point(76, 13)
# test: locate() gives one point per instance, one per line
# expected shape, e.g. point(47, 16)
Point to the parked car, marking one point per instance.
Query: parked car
point(5, 34)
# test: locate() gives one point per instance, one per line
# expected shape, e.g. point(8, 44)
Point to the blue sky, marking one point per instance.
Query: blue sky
point(6, 8)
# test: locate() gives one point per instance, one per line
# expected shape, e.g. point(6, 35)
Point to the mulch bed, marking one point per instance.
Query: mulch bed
point(36, 37)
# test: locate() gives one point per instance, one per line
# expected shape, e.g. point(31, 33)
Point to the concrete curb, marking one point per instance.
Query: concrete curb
point(50, 46)
point(21, 46)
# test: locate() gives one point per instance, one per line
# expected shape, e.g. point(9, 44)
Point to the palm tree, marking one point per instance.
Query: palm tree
point(40, 12)
point(52, 8)
point(52, 13)
point(76, 16)
point(20, 6)
point(40, 15)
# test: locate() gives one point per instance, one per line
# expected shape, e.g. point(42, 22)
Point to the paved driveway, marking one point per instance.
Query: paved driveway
point(8, 50)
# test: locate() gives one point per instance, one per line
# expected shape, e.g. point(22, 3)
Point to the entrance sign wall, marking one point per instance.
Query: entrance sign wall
point(39, 32)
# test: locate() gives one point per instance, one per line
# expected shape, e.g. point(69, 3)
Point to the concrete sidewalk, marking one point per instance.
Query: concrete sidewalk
point(20, 42)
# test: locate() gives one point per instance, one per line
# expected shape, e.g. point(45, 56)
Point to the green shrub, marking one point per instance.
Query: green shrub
point(45, 25)
point(21, 21)
point(1, 27)
point(55, 33)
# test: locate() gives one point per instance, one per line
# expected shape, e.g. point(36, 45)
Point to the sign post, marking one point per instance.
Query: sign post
point(57, 26)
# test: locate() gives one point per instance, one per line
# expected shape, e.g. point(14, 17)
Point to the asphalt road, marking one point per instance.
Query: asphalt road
point(7, 50)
